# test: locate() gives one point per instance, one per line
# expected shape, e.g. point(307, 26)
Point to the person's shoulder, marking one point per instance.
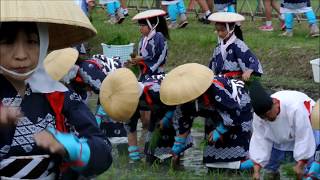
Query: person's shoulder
point(159, 35)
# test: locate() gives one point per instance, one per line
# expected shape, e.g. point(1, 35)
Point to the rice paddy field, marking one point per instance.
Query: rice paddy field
point(285, 61)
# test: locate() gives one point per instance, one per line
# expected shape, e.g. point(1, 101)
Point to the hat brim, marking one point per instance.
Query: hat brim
point(67, 24)
point(185, 83)
point(149, 14)
point(58, 63)
point(226, 17)
point(119, 94)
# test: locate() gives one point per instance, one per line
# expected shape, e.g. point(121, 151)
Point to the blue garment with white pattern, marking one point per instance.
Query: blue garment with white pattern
point(154, 55)
point(238, 58)
point(229, 103)
point(295, 4)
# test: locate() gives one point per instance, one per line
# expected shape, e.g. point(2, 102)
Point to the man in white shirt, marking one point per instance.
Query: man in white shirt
point(281, 124)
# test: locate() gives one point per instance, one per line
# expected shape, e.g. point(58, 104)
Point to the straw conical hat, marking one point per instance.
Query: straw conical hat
point(67, 24)
point(315, 118)
point(185, 83)
point(226, 17)
point(119, 94)
point(149, 14)
point(59, 62)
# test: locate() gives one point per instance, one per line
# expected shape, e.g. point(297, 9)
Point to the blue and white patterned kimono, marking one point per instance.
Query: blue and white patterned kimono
point(91, 73)
point(224, 5)
point(154, 51)
point(233, 58)
point(295, 4)
point(226, 103)
point(40, 113)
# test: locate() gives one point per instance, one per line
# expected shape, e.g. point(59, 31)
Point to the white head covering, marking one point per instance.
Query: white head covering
point(40, 81)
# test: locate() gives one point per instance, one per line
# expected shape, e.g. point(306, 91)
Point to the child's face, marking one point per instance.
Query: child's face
point(19, 54)
point(144, 29)
point(221, 30)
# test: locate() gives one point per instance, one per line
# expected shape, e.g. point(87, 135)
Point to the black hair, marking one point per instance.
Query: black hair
point(9, 30)
point(161, 27)
point(237, 30)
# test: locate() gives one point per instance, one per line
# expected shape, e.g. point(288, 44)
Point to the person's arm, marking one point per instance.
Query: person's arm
point(304, 146)
point(87, 144)
point(260, 147)
point(248, 62)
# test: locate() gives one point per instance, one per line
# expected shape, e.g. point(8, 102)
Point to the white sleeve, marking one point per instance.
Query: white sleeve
point(260, 147)
point(304, 146)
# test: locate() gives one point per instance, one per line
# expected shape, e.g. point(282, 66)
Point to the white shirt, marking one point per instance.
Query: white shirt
point(291, 131)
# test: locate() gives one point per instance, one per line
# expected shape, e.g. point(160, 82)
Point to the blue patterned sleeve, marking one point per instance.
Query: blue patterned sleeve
point(92, 75)
point(246, 59)
point(156, 52)
point(84, 126)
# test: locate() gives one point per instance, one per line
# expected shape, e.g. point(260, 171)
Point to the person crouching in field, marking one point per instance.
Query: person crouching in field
point(196, 91)
point(54, 134)
point(291, 7)
point(281, 125)
point(232, 57)
point(161, 133)
point(113, 8)
point(85, 76)
point(314, 170)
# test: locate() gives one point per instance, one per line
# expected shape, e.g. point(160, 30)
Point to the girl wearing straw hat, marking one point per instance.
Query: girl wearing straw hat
point(160, 136)
point(83, 77)
point(153, 46)
point(197, 92)
point(232, 58)
point(43, 124)
point(314, 171)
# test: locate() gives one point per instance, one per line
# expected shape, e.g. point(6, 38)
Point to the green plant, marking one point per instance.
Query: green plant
point(118, 39)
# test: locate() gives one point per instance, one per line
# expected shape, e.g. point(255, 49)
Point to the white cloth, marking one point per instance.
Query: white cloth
point(224, 46)
point(291, 131)
point(40, 81)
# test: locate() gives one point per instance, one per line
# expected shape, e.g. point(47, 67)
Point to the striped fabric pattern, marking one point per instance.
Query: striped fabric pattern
point(27, 167)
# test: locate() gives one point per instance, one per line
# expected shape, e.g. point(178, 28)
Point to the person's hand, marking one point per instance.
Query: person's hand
point(246, 75)
point(299, 169)
point(91, 3)
point(9, 115)
point(45, 140)
point(256, 172)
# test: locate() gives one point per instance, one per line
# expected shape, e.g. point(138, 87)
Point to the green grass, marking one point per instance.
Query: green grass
point(285, 63)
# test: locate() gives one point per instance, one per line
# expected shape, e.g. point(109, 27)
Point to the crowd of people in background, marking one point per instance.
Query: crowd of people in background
point(48, 132)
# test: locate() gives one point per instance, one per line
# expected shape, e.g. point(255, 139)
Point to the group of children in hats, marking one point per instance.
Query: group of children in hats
point(48, 132)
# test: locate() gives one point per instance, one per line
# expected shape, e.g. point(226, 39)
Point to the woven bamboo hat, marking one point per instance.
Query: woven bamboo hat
point(315, 118)
point(226, 17)
point(185, 83)
point(119, 94)
point(59, 62)
point(67, 24)
point(149, 14)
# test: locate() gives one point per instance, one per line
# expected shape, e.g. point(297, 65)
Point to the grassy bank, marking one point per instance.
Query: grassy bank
point(285, 61)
